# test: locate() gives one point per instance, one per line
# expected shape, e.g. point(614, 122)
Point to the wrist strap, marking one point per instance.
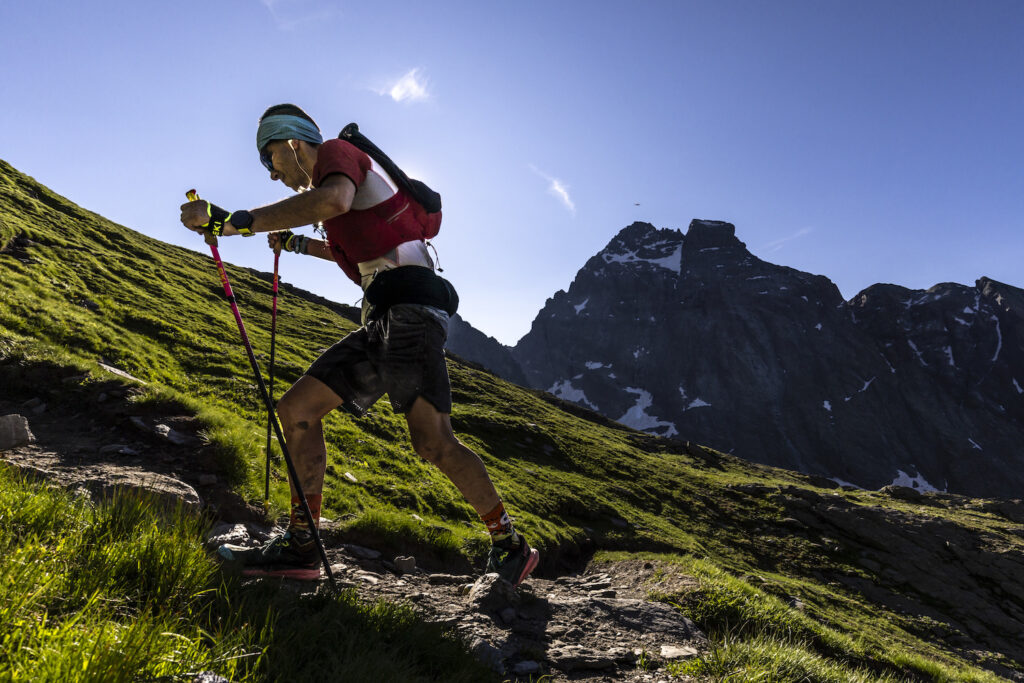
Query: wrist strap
point(298, 244)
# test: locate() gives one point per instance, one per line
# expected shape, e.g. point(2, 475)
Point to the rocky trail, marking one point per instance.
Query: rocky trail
point(594, 624)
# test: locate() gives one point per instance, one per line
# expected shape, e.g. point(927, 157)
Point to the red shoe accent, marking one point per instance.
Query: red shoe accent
point(301, 574)
point(531, 564)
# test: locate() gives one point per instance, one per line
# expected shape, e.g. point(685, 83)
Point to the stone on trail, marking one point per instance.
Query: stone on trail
point(488, 654)
point(361, 552)
point(14, 432)
point(228, 534)
point(405, 564)
point(575, 657)
point(677, 652)
point(491, 593)
point(526, 668)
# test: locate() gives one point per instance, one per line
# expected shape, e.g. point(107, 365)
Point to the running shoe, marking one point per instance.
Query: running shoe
point(288, 555)
point(512, 562)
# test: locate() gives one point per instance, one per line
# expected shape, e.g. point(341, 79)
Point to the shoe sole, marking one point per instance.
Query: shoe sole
point(531, 564)
point(301, 574)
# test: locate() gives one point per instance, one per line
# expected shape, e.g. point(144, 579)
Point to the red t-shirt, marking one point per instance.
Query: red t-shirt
point(382, 214)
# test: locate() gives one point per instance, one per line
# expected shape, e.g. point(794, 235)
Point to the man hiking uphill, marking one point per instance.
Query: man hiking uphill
point(374, 231)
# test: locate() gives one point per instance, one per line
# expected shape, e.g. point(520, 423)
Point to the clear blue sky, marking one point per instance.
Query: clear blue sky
point(868, 141)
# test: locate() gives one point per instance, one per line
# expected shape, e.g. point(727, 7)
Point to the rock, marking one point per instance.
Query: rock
point(368, 577)
point(118, 448)
point(176, 437)
point(576, 657)
point(678, 652)
point(339, 567)
point(169, 490)
point(526, 667)
point(508, 615)
point(209, 677)
point(32, 403)
point(14, 432)
point(207, 479)
point(351, 477)
point(447, 579)
point(361, 552)
point(491, 593)
point(903, 493)
point(226, 533)
point(405, 564)
point(120, 373)
point(488, 654)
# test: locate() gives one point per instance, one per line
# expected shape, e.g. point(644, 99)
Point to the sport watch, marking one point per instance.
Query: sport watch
point(242, 222)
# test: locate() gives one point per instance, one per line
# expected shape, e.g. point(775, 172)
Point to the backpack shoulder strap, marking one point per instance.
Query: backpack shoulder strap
point(430, 200)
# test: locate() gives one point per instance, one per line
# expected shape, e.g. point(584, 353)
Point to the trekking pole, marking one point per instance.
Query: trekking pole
point(192, 195)
point(273, 344)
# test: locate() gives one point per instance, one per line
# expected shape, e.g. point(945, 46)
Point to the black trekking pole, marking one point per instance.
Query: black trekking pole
point(273, 343)
point(212, 241)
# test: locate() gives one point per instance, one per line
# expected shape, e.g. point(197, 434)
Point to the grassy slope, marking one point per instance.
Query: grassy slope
point(572, 479)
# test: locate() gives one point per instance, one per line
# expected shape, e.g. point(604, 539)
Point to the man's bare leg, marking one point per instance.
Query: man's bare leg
point(433, 439)
point(301, 410)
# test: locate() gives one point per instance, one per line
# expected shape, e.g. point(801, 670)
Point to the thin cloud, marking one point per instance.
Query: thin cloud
point(412, 87)
point(288, 15)
point(557, 188)
point(775, 245)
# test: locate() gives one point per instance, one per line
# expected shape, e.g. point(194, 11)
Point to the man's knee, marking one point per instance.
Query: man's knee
point(295, 413)
point(435, 449)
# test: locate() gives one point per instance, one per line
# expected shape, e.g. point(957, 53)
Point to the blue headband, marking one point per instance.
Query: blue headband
point(286, 127)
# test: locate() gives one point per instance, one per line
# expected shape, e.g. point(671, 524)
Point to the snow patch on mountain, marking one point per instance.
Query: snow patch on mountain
point(918, 482)
point(637, 417)
point(672, 261)
point(566, 391)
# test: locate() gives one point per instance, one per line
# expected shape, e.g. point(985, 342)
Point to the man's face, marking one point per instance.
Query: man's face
point(285, 161)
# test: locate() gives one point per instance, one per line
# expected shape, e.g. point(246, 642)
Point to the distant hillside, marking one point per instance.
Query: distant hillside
point(772, 565)
point(693, 337)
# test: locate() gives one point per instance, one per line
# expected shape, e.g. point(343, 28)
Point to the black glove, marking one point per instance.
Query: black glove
point(218, 217)
point(298, 244)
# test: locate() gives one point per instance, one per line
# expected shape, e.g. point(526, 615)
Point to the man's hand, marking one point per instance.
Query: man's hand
point(203, 217)
point(276, 240)
point(288, 241)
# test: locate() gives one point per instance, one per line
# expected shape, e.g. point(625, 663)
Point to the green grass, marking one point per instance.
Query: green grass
point(124, 591)
point(575, 482)
point(756, 635)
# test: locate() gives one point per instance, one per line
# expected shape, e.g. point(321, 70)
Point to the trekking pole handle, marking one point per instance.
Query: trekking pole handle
point(193, 196)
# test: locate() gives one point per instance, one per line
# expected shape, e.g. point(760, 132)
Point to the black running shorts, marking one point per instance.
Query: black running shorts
point(402, 355)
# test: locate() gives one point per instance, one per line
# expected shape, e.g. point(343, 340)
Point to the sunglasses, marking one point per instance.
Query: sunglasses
point(267, 160)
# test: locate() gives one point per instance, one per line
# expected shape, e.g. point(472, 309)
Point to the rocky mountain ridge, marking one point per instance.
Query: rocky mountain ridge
point(693, 337)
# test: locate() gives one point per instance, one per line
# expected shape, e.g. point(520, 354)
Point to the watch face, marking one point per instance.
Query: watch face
point(242, 220)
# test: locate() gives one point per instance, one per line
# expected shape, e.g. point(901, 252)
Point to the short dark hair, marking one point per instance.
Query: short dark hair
point(291, 109)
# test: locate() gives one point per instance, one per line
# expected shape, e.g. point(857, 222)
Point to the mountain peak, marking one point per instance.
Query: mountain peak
point(642, 243)
point(703, 234)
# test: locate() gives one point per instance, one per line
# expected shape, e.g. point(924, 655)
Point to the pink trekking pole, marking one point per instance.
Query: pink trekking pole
point(192, 195)
point(273, 344)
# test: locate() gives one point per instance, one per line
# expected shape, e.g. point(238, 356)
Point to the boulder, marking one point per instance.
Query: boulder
point(14, 432)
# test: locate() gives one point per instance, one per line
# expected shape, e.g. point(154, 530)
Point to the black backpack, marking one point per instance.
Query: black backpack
point(418, 190)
